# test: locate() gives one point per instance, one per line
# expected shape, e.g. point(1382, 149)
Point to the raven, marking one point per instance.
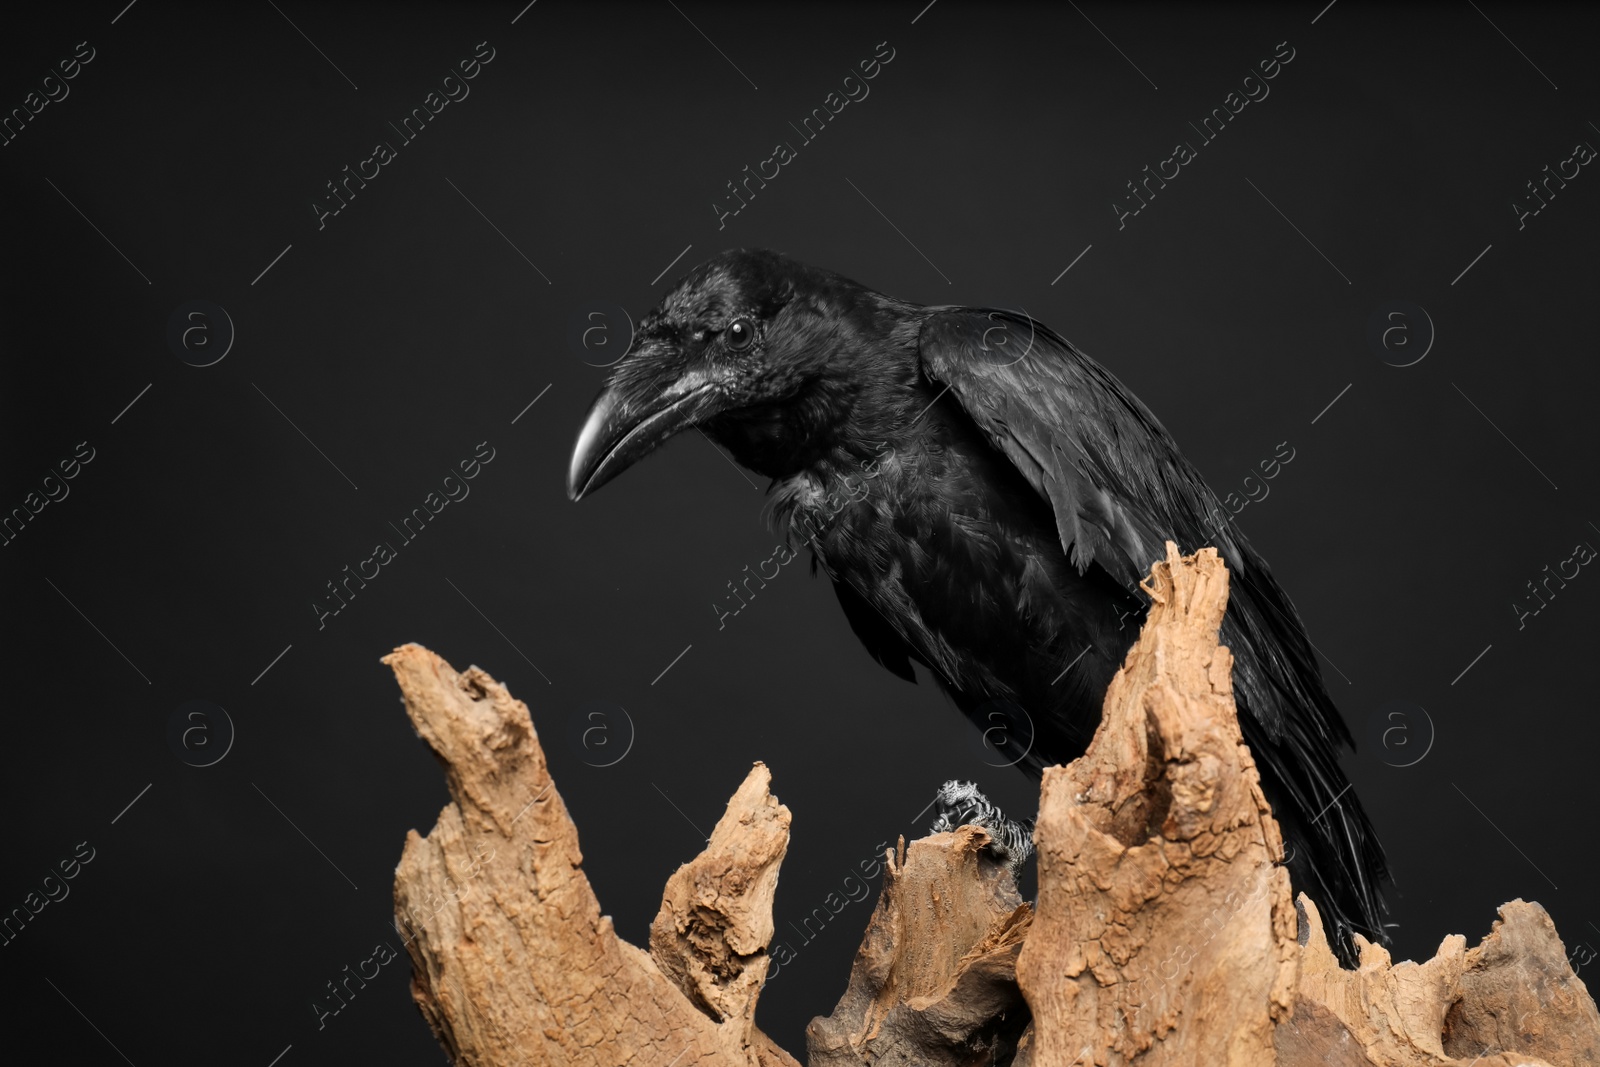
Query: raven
point(986, 499)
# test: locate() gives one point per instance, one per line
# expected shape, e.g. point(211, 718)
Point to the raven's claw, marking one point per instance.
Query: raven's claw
point(960, 804)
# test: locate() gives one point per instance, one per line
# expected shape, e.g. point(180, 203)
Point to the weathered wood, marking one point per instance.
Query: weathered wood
point(1164, 934)
point(1519, 992)
point(1513, 1001)
point(512, 962)
point(1165, 928)
point(711, 934)
point(934, 982)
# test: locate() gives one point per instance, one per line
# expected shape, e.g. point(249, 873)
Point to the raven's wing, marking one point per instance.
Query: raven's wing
point(882, 641)
point(1111, 472)
point(1114, 477)
point(1120, 488)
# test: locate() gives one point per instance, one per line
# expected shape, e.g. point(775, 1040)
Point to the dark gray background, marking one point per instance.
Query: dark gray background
point(408, 330)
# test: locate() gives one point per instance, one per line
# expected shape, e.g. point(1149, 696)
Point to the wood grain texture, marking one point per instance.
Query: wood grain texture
point(512, 962)
point(1165, 931)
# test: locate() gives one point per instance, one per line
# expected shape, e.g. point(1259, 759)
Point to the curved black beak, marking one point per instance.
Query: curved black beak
point(622, 430)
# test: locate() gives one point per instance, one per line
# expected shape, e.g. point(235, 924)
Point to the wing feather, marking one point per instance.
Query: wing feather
point(1115, 478)
point(1119, 489)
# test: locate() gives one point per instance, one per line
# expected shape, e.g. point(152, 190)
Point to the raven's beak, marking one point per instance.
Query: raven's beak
point(621, 430)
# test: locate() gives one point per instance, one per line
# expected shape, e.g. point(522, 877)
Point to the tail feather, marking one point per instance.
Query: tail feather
point(1295, 732)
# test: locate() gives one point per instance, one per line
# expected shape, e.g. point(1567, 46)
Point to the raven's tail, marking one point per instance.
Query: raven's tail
point(1295, 733)
point(1331, 849)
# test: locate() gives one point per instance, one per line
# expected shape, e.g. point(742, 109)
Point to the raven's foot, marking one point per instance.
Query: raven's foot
point(960, 804)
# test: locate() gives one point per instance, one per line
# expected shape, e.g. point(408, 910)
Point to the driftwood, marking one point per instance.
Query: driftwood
point(1164, 927)
point(512, 962)
point(1165, 932)
point(935, 981)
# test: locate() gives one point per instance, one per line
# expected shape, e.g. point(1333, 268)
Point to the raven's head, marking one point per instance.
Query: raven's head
point(752, 347)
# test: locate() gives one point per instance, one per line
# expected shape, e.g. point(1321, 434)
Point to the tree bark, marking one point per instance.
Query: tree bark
point(1165, 933)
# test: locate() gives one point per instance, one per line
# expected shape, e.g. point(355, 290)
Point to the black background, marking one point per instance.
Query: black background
point(190, 550)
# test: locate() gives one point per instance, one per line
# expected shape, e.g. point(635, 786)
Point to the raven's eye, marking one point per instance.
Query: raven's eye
point(739, 334)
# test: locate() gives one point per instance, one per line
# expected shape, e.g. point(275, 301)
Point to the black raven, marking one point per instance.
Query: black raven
point(986, 499)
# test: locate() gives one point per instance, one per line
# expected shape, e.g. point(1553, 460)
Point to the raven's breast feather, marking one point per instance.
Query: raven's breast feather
point(961, 570)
